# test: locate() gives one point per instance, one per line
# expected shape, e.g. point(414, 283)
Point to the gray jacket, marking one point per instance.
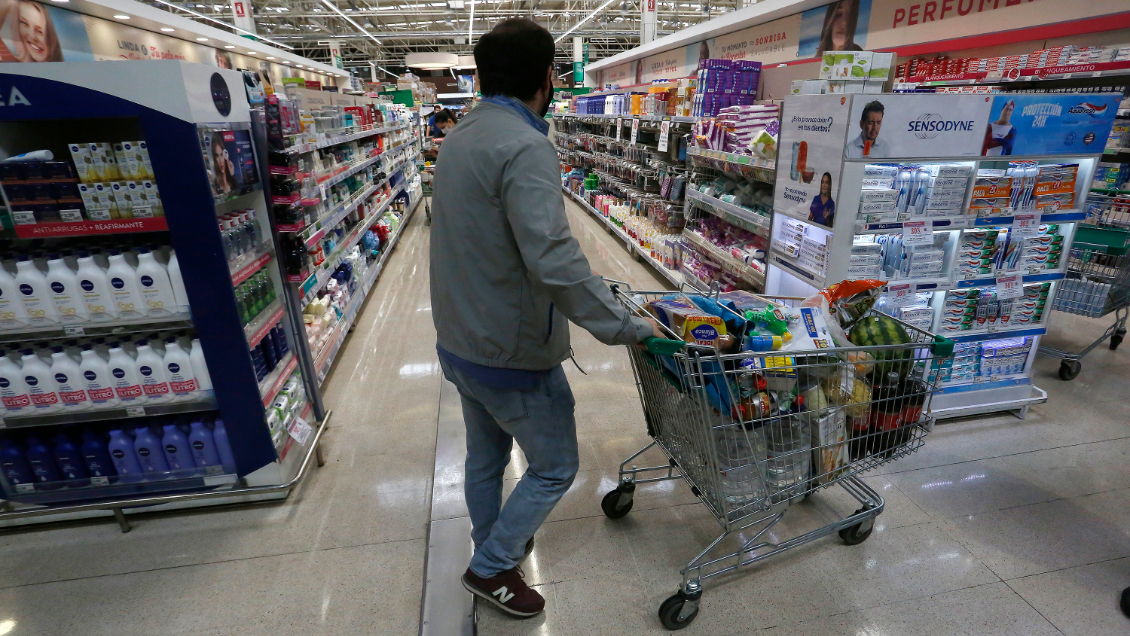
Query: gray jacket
point(506, 272)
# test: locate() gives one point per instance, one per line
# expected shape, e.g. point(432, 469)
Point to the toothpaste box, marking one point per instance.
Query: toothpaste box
point(1054, 184)
point(1055, 202)
point(987, 188)
point(877, 170)
point(990, 207)
point(863, 271)
point(942, 204)
point(950, 182)
point(878, 207)
point(864, 259)
point(877, 195)
point(953, 170)
point(866, 248)
point(945, 193)
point(878, 183)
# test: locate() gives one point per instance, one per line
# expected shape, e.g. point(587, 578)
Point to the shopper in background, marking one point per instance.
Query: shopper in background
point(507, 276)
point(441, 122)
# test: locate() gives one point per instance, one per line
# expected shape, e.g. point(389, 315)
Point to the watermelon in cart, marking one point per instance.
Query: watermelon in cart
point(877, 330)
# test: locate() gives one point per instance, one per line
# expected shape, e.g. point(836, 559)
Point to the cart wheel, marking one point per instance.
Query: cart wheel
point(854, 535)
point(669, 612)
point(611, 505)
point(1068, 369)
point(1115, 340)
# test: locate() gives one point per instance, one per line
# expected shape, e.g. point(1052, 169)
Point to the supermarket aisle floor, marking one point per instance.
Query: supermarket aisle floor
point(998, 526)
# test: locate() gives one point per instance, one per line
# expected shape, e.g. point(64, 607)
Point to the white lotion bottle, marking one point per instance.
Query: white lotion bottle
point(97, 379)
point(156, 288)
point(200, 367)
point(13, 389)
point(124, 287)
point(178, 364)
point(65, 292)
point(41, 386)
point(180, 294)
point(68, 377)
point(151, 369)
point(123, 373)
point(95, 286)
point(33, 290)
point(12, 312)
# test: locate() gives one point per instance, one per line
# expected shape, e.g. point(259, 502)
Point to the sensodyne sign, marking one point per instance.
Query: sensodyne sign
point(910, 126)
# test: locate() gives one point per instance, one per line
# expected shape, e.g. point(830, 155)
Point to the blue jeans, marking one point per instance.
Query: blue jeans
point(542, 421)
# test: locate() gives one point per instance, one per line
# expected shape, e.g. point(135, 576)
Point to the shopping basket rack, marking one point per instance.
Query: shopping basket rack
point(746, 458)
point(1097, 285)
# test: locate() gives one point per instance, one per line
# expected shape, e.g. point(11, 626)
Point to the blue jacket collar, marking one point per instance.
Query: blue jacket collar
point(520, 107)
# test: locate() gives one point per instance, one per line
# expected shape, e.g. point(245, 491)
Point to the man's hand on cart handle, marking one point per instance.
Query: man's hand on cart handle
point(656, 331)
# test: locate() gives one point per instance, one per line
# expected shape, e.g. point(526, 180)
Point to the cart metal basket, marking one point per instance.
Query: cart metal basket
point(427, 173)
point(1097, 285)
point(751, 432)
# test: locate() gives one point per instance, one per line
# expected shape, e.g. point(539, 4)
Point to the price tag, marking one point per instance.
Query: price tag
point(25, 489)
point(635, 128)
point(1026, 225)
point(664, 133)
point(900, 295)
point(135, 411)
point(142, 212)
point(99, 481)
point(917, 233)
point(619, 127)
point(1010, 287)
point(71, 215)
point(75, 330)
point(1097, 74)
point(300, 430)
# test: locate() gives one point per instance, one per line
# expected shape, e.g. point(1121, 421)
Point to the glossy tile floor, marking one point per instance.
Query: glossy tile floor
point(998, 526)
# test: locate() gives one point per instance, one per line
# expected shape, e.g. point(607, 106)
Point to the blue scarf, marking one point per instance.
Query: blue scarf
point(520, 107)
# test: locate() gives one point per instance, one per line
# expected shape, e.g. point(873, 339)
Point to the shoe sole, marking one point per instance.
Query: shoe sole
point(493, 601)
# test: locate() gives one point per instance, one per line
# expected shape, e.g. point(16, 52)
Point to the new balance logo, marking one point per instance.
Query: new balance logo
point(504, 595)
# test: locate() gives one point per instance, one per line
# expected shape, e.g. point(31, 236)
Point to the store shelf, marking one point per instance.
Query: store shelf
point(247, 270)
point(60, 492)
point(1111, 192)
point(735, 214)
point(262, 324)
point(271, 385)
point(727, 261)
point(205, 402)
point(813, 278)
point(1076, 71)
point(91, 228)
point(991, 333)
point(109, 328)
point(627, 118)
point(342, 175)
point(945, 282)
point(321, 275)
point(745, 165)
point(343, 209)
point(341, 139)
point(966, 221)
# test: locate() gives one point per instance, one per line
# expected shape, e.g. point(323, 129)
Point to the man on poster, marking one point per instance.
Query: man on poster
point(867, 144)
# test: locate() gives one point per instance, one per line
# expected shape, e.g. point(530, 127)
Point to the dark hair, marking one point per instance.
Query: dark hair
point(826, 30)
point(445, 115)
point(513, 58)
point(871, 107)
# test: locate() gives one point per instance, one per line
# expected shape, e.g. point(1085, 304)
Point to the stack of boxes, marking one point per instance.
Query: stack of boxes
point(923, 68)
point(902, 262)
point(848, 72)
point(41, 192)
point(974, 257)
point(894, 192)
point(865, 261)
point(809, 248)
point(1004, 357)
point(979, 308)
point(1111, 176)
point(722, 83)
point(116, 180)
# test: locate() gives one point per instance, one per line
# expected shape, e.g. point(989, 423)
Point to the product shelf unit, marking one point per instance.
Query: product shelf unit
point(941, 269)
point(188, 117)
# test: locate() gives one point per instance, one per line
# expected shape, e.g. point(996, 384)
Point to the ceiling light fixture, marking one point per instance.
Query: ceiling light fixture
point(270, 58)
point(586, 19)
point(254, 36)
point(165, 29)
point(121, 17)
point(253, 52)
point(229, 46)
point(350, 20)
point(201, 39)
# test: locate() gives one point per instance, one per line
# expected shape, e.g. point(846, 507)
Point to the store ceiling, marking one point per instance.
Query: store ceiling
point(409, 26)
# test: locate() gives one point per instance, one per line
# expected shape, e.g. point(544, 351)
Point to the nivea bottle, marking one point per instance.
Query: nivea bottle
point(220, 434)
point(124, 456)
point(69, 459)
point(42, 461)
point(149, 451)
point(15, 467)
point(96, 455)
point(177, 450)
point(203, 446)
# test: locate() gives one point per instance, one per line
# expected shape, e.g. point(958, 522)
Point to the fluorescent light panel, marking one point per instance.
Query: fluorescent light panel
point(350, 20)
point(222, 23)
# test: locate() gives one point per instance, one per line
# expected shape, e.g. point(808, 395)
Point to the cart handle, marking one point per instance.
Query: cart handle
point(942, 347)
point(663, 346)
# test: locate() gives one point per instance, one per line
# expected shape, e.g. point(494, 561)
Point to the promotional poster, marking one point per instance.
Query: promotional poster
point(34, 32)
point(1049, 124)
point(229, 160)
point(911, 126)
point(839, 26)
point(812, 135)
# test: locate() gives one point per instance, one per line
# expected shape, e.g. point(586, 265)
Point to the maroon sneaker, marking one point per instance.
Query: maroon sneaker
point(506, 591)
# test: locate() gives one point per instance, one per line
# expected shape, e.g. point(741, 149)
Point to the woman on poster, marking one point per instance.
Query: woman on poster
point(224, 170)
point(838, 32)
point(823, 208)
point(27, 33)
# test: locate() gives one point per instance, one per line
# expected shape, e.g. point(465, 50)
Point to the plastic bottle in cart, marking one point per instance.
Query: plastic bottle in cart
point(741, 455)
point(180, 294)
point(152, 373)
point(124, 377)
point(41, 386)
point(65, 292)
point(68, 377)
point(97, 379)
point(34, 292)
point(95, 288)
point(788, 447)
point(178, 365)
point(13, 389)
point(199, 367)
point(12, 312)
point(124, 287)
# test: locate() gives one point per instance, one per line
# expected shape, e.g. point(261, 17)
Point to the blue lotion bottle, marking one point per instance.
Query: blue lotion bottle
point(42, 461)
point(149, 451)
point(220, 434)
point(12, 462)
point(124, 456)
point(69, 459)
point(177, 450)
point(203, 446)
point(97, 456)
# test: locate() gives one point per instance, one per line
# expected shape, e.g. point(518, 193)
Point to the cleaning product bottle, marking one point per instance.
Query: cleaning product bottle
point(32, 285)
point(178, 452)
point(65, 291)
point(12, 312)
point(96, 455)
point(156, 288)
point(151, 369)
point(41, 386)
point(180, 294)
point(199, 367)
point(41, 461)
point(178, 364)
point(13, 464)
point(13, 389)
point(124, 456)
point(69, 458)
point(124, 287)
point(149, 451)
point(97, 379)
point(72, 390)
point(95, 285)
point(203, 445)
point(220, 435)
point(124, 376)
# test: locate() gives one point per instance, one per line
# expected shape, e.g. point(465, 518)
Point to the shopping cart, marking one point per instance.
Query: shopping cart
point(746, 457)
point(1097, 285)
point(426, 175)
